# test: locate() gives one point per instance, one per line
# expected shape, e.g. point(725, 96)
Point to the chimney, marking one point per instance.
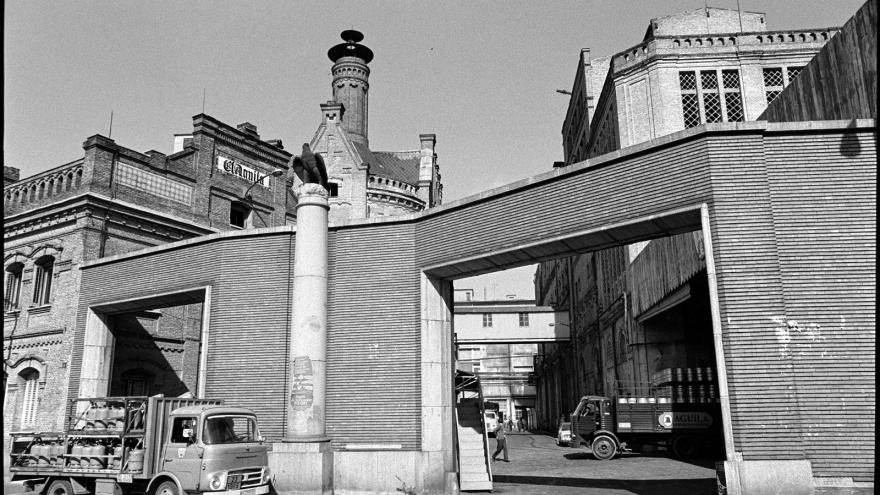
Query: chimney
point(249, 128)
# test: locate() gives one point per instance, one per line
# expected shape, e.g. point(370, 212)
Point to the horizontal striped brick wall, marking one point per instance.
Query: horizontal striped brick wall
point(373, 338)
point(587, 198)
point(791, 211)
point(250, 310)
point(823, 190)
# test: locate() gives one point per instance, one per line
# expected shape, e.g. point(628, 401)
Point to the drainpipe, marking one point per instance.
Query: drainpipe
point(723, 395)
point(572, 332)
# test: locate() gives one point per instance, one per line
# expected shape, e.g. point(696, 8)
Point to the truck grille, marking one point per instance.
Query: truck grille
point(244, 478)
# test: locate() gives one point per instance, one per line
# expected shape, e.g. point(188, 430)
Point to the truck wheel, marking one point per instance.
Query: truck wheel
point(166, 488)
point(60, 487)
point(684, 446)
point(604, 447)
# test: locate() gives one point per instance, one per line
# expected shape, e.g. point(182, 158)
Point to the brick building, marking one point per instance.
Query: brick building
point(115, 200)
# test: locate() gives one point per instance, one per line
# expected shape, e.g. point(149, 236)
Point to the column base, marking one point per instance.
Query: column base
point(765, 477)
point(302, 467)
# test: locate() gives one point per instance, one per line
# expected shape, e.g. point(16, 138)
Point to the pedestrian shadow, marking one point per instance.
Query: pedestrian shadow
point(697, 486)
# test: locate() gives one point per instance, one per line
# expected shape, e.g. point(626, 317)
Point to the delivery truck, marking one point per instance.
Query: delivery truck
point(153, 445)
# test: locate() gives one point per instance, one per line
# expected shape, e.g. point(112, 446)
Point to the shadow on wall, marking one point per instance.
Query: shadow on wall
point(849, 142)
point(151, 355)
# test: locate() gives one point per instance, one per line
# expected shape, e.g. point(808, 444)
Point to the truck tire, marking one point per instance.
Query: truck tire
point(604, 447)
point(684, 446)
point(167, 487)
point(60, 487)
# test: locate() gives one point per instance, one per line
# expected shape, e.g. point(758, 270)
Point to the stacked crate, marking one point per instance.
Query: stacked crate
point(686, 385)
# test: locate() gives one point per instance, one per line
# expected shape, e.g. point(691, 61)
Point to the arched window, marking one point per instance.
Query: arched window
point(29, 397)
point(12, 296)
point(43, 280)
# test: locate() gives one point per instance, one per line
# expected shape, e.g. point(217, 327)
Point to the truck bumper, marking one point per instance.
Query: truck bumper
point(257, 490)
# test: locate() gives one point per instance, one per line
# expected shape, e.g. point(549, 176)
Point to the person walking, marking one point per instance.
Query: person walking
point(501, 439)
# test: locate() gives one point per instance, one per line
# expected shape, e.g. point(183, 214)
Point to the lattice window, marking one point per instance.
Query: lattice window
point(709, 79)
point(702, 101)
point(134, 177)
point(688, 81)
point(713, 107)
point(793, 73)
point(733, 102)
point(773, 83)
point(773, 77)
point(732, 96)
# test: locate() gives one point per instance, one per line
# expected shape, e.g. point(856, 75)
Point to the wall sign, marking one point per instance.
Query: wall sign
point(230, 166)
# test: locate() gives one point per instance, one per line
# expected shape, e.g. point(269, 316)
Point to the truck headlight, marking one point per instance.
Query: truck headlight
point(217, 481)
point(267, 476)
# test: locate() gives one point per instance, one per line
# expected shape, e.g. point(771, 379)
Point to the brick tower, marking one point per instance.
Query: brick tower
point(351, 83)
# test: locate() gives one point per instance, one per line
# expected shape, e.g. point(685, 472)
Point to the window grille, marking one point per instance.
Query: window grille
point(703, 99)
point(136, 178)
point(691, 110)
point(793, 73)
point(732, 96)
point(773, 83)
point(713, 107)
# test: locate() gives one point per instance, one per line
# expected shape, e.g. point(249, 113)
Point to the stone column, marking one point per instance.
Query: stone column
point(303, 461)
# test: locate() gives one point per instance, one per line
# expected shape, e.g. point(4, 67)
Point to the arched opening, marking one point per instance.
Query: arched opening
point(29, 380)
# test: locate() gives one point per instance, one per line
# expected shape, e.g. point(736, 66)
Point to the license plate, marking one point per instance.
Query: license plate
point(249, 491)
point(123, 478)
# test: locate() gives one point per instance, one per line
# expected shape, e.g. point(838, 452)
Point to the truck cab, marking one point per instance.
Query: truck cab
point(212, 448)
point(592, 423)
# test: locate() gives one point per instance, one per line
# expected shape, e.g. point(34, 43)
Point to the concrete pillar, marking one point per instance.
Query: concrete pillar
point(97, 359)
point(303, 461)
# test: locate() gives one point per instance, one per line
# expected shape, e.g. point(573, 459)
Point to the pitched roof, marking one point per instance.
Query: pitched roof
point(402, 166)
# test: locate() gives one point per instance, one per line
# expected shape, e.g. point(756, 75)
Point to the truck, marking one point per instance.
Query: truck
point(152, 445)
point(679, 410)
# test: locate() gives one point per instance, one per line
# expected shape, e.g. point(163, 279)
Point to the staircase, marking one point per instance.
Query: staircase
point(475, 471)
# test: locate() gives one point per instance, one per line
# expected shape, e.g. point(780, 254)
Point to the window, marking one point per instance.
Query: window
point(43, 280)
point(239, 215)
point(30, 397)
point(487, 320)
point(230, 429)
point(773, 83)
point(13, 286)
point(523, 319)
point(714, 96)
point(793, 72)
point(182, 430)
point(334, 189)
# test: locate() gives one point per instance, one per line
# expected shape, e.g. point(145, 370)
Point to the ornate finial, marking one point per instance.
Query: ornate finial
point(351, 47)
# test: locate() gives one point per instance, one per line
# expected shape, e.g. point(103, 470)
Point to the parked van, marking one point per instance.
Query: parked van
point(491, 422)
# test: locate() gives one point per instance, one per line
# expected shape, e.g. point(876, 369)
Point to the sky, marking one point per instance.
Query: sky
point(481, 75)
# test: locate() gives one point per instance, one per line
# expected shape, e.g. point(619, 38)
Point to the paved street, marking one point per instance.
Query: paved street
point(538, 466)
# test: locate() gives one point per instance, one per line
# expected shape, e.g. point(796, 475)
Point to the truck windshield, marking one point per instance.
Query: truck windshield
point(230, 429)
